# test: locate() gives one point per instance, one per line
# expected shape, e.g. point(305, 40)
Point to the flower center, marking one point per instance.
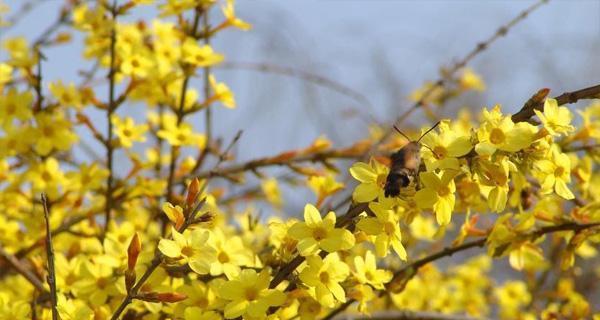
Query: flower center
point(202, 302)
point(497, 136)
point(223, 257)
point(440, 152)
point(443, 191)
point(319, 233)
point(187, 251)
point(102, 283)
point(251, 294)
point(389, 227)
point(559, 171)
point(324, 276)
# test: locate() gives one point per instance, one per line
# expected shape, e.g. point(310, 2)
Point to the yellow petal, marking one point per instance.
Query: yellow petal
point(562, 190)
point(363, 172)
point(169, 248)
point(312, 215)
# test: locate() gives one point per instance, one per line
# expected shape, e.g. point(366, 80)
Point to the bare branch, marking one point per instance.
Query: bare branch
point(568, 97)
point(50, 257)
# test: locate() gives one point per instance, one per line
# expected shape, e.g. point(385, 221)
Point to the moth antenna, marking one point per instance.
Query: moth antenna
point(426, 132)
point(402, 133)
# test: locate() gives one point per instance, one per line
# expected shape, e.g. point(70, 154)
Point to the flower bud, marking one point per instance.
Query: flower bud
point(192, 194)
point(133, 251)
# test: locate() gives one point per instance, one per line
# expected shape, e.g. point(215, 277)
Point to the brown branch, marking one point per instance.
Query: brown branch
point(590, 147)
point(158, 256)
point(566, 98)
point(410, 270)
point(180, 113)
point(110, 110)
point(22, 270)
point(279, 160)
point(50, 257)
point(191, 213)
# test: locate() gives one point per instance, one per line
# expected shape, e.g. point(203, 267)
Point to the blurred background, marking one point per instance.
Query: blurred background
point(378, 51)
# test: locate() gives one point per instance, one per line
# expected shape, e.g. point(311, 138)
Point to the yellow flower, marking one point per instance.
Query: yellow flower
point(437, 193)
point(221, 93)
point(127, 131)
point(176, 7)
point(372, 178)
point(231, 19)
point(557, 120)
point(5, 74)
point(19, 52)
point(174, 213)
point(469, 80)
point(367, 272)
point(177, 135)
point(199, 56)
point(555, 174)
point(270, 188)
point(11, 309)
point(231, 254)
point(249, 295)
point(137, 65)
point(386, 229)
point(190, 248)
point(435, 94)
point(15, 105)
point(494, 178)
point(97, 282)
point(71, 309)
point(444, 148)
point(512, 296)
point(87, 177)
point(499, 132)
point(67, 96)
point(53, 131)
point(324, 186)
point(325, 275)
point(47, 177)
point(316, 233)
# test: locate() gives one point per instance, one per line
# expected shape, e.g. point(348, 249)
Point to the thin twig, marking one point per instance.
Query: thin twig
point(191, 213)
point(479, 48)
point(110, 110)
point(410, 270)
point(50, 257)
point(448, 74)
point(281, 161)
point(181, 114)
point(300, 74)
point(207, 94)
point(566, 98)
point(42, 39)
point(22, 270)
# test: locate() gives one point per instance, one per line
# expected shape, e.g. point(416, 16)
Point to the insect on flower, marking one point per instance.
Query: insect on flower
point(405, 165)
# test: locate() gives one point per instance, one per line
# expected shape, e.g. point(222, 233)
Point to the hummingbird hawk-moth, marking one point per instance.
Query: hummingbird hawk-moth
point(405, 165)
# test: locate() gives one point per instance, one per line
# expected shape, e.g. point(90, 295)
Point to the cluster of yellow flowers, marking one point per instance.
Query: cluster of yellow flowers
point(155, 240)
